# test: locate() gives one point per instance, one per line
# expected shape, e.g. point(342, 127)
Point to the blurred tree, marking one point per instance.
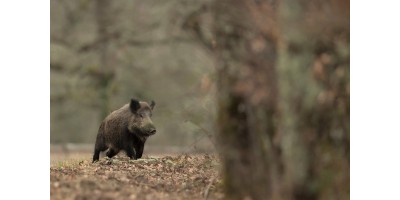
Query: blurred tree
point(283, 97)
point(314, 79)
point(104, 18)
point(247, 99)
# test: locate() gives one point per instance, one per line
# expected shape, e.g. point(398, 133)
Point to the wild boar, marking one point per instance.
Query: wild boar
point(126, 129)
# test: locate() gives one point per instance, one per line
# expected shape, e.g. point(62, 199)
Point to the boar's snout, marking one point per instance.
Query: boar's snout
point(150, 128)
point(152, 131)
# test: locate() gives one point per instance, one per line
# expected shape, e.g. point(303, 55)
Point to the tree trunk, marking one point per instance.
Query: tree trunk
point(247, 99)
point(314, 79)
point(283, 98)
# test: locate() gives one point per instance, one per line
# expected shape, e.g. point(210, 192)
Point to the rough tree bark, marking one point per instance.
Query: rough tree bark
point(283, 98)
point(247, 98)
point(314, 79)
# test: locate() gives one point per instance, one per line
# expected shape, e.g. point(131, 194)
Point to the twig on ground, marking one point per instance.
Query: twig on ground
point(206, 191)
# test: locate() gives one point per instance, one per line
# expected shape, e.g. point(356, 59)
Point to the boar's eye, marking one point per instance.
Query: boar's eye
point(140, 115)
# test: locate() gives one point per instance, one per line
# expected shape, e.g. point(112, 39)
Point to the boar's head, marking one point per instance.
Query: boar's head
point(140, 122)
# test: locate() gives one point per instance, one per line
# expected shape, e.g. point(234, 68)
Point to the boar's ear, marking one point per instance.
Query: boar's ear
point(134, 105)
point(152, 104)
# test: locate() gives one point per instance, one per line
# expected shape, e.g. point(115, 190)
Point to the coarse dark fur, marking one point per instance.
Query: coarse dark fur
point(125, 129)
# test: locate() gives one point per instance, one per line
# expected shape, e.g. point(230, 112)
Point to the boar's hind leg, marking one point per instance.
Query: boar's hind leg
point(96, 155)
point(112, 152)
point(99, 146)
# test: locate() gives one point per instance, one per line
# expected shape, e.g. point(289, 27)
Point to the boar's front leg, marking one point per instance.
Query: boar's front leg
point(139, 149)
point(129, 152)
point(112, 152)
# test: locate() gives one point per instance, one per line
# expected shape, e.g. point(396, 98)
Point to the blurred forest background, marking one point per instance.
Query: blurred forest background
point(105, 52)
point(268, 79)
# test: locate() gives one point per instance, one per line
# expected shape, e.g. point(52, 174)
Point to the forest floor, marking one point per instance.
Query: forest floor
point(190, 176)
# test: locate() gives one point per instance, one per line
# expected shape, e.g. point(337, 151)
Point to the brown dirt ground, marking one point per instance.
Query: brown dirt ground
point(153, 177)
